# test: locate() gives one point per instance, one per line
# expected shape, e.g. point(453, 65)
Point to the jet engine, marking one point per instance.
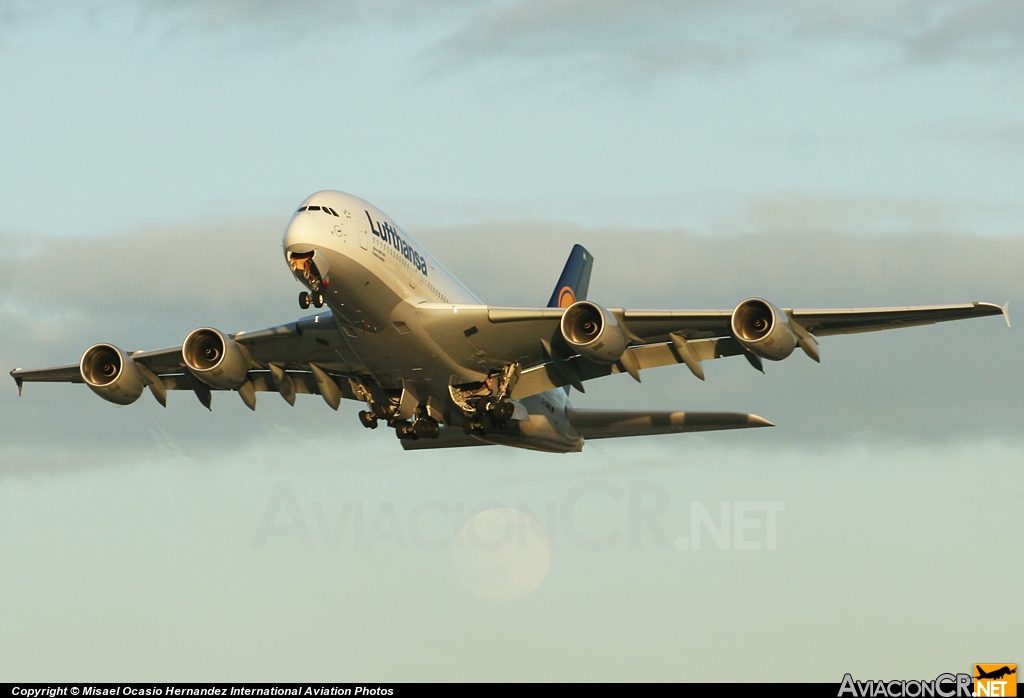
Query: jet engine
point(763, 329)
point(111, 374)
point(593, 332)
point(215, 359)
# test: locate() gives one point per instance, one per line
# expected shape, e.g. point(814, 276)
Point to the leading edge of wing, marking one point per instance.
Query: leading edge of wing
point(606, 424)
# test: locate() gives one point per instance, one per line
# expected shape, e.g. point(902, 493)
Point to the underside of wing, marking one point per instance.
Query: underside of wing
point(557, 372)
point(304, 357)
point(540, 341)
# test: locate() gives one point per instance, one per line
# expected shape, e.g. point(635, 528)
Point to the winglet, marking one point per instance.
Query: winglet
point(18, 380)
point(1006, 312)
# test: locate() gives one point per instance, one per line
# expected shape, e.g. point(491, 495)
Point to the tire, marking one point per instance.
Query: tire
point(304, 300)
point(318, 299)
point(427, 428)
point(504, 410)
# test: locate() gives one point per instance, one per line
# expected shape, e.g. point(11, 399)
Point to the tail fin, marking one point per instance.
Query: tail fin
point(575, 279)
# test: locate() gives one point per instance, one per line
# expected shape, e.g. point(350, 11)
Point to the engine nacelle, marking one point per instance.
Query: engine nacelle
point(763, 329)
point(215, 359)
point(111, 374)
point(593, 332)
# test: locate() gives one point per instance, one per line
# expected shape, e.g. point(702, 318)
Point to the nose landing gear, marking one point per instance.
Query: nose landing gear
point(306, 299)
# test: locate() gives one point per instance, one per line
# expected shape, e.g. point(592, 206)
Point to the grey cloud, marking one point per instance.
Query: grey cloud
point(297, 18)
point(150, 288)
point(635, 41)
point(976, 30)
point(643, 40)
point(1005, 138)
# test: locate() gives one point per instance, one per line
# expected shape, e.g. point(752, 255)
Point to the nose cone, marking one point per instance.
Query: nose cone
point(303, 234)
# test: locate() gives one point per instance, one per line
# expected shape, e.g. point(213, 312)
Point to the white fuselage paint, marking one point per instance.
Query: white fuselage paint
point(377, 278)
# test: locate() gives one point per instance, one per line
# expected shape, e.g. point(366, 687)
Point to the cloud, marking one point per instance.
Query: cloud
point(1001, 138)
point(298, 18)
point(973, 30)
point(644, 39)
point(631, 42)
point(150, 288)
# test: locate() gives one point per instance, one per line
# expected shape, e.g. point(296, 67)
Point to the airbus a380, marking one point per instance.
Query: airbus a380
point(431, 360)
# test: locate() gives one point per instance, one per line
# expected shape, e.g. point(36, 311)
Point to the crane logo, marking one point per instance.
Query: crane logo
point(995, 680)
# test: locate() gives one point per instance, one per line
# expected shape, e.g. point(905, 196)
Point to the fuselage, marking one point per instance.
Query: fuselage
point(375, 278)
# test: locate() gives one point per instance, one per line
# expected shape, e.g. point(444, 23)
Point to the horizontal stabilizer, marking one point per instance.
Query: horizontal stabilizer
point(606, 424)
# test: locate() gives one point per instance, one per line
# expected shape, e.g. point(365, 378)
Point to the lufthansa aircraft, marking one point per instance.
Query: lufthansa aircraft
point(432, 361)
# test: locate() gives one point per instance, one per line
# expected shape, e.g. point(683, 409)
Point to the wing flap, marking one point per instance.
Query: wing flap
point(547, 376)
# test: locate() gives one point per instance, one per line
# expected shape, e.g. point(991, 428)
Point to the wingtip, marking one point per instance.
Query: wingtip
point(1006, 312)
point(18, 380)
point(756, 421)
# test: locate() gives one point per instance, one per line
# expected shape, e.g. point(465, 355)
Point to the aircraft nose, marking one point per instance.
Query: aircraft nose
point(302, 244)
point(302, 235)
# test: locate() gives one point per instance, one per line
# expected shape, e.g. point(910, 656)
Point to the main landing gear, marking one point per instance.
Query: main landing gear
point(425, 426)
point(492, 418)
point(316, 298)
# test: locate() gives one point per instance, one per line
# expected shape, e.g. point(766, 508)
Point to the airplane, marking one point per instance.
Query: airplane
point(428, 358)
point(996, 674)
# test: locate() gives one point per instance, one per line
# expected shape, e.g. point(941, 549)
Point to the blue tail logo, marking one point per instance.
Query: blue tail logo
point(575, 279)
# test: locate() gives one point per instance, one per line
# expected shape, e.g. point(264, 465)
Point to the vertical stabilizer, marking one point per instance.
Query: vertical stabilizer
point(575, 279)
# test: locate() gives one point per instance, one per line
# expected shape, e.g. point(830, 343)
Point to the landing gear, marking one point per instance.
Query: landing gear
point(422, 428)
point(368, 419)
point(492, 419)
point(316, 298)
point(503, 410)
point(426, 428)
point(386, 405)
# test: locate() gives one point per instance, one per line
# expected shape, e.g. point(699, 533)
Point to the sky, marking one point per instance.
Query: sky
point(818, 154)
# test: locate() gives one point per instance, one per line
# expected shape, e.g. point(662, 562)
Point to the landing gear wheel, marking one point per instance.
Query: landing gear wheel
point(504, 410)
point(474, 425)
point(405, 431)
point(304, 300)
point(318, 299)
point(427, 428)
point(368, 420)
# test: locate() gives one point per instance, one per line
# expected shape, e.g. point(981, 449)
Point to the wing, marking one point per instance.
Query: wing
point(852, 320)
point(495, 336)
point(282, 358)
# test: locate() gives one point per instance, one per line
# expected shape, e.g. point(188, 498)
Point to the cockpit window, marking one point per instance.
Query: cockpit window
point(326, 209)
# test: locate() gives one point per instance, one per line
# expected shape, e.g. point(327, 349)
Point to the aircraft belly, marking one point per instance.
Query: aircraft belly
point(358, 294)
point(547, 428)
point(382, 328)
